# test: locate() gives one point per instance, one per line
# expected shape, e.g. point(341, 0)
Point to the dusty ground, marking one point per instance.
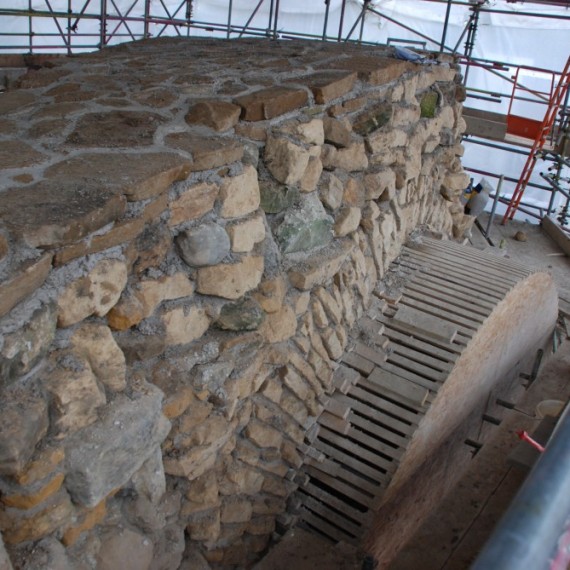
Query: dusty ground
point(451, 538)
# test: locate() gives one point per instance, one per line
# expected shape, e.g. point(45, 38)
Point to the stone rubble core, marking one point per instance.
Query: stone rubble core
point(188, 231)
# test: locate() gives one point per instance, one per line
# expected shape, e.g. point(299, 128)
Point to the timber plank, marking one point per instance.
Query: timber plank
point(381, 430)
point(421, 357)
point(417, 368)
point(413, 377)
point(461, 325)
point(337, 408)
point(460, 260)
point(319, 494)
point(417, 321)
point(373, 457)
point(352, 462)
point(357, 362)
point(332, 516)
point(341, 487)
point(366, 396)
point(400, 386)
point(335, 423)
point(377, 356)
point(326, 528)
point(437, 266)
point(453, 308)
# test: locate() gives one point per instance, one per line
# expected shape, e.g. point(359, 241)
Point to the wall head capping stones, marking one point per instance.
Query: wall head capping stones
point(185, 245)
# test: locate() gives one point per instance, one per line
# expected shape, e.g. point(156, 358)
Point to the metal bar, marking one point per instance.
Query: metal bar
point(171, 17)
point(507, 178)
point(495, 202)
point(229, 18)
point(250, 18)
point(445, 24)
point(326, 22)
point(276, 17)
point(528, 534)
point(269, 22)
point(364, 10)
point(146, 19)
point(103, 25)
point(123, 19)
point(340, 26)
point(484, 142)
point(432, 40)
point(555, 185)
point(359, 19)
point(61, 32)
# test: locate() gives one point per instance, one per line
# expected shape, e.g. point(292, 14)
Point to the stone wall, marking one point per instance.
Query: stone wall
point(188, 230)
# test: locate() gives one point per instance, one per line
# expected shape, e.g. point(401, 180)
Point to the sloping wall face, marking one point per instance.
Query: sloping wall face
point(188, 229)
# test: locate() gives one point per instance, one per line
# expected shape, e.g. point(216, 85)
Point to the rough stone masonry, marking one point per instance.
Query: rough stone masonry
point(188, 230)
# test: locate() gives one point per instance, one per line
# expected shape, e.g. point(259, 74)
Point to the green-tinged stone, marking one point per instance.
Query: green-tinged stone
point(373, 119)
point(428, 104)
point(305, 228)
point(275, 198)
point(245, 315)
point(304, 236)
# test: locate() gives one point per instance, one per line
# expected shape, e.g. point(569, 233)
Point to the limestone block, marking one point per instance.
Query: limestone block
point(38, 523)
point(286, 161)
point(244, 235)
point(93, 294)
point(405, 116)
point(270, 294)
point(149, 481)
point(203, 494)
point(5, 563)
point(28, 501)
point(337, 132)
point(185, 324)
point(19, 431)
point(332, 344)
point(25, 347)
point(271, 102)
point(44, 464)
point(115, 129)
point(291, 405)
point(240, 195)
point(230, 281)
point(380, 185)
point(207, 152)
point(374, 118)
point(330, 85)
point(456, 181)
point(374, 70)
point(263, 435)
point(196, 461)
point(74, 393)
point(204, 245)
point(318, 269)
point(125, 549)
point(96, 344)
point(218, 115)
point(382, 142)
point(48, 554)
point(330, 304)
point(353, 194)
point(204, 526)
point(311, 132)
point(139, 176)
point(193, 203)
point(236, 510)
point(312, 174)
point(350, 159)
point(347, 221)
point(279, 326)
point(27, 278)
point(106, 455)
point(331, 191)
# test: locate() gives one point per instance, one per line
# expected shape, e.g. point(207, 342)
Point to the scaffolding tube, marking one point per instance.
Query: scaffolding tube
point(529, 534)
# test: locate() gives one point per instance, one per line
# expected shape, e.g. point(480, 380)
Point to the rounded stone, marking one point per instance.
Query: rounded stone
point(245, 315)
point(205, 245)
